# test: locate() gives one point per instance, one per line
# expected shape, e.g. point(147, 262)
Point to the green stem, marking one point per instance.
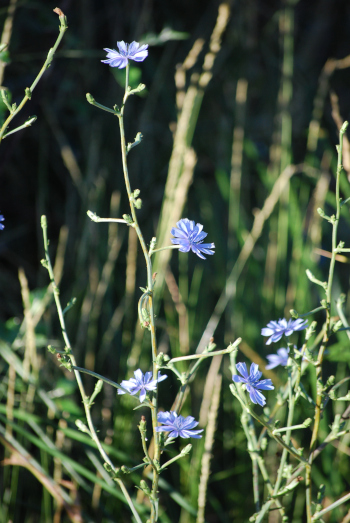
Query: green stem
point(69, 353)
point(334, 505)
point(327, 331)
point(164, 249)
point(279, 440)
point(145, 449)
point(207, 354)
point(288, 433)
point(253, 445)
point(157, 450)
point(63, 29)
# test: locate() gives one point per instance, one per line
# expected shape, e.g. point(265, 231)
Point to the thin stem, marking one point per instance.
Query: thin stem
point(334, 505)
point(157, 450)
point(63, 29)
point(249, 429)
point(100, 377)
point(128, 499)
point(164, 249)
point(69, 353)
point(286, 429)
point(207, 354)
point(279, 440)
point(288, 433)
point(145, 449)
point(179, 456)
point(24, 126)
point(335, 224)
point(327, 332)
point(111, 220)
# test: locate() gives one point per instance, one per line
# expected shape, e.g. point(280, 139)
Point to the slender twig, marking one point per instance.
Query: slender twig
point(336, 504)
point(327, 332)
point(29, 90)
point(85, 398)
point(229, 349)
point(157, 450)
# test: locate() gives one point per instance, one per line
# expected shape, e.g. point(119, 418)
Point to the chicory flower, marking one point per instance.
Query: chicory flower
point(120, 59)
point(190, 237)
point(276, 329)
point(281, 358)
point(178, 425)
point(141, 383)
point(252, 382)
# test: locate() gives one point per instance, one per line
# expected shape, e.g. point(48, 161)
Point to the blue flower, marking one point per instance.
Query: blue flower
point(190, 236)
point(133, 51)
point(142, 383)
point(276, 329)
point(178, 425)
point(280, 358)
point(2, 226)
point(252, 382)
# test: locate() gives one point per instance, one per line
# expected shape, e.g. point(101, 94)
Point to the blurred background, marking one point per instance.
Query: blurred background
point(239, 95)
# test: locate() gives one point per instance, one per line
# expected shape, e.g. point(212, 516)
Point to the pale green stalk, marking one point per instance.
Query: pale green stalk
point(86, 400)
point(29, 90)
point(288, 433)
point(254, 450)
point(327, 332)
point(157, 450)
point(334, 505)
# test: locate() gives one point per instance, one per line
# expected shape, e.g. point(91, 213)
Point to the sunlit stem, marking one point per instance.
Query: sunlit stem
point(207, 354)
point(85, 398)
point(291, 401)
point(164, 249)
point(63, 29)
point(327, 332)
point(157, 450)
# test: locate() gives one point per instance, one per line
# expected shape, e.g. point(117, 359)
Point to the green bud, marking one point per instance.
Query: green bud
point(333, 395)
point(113, 473)
point(162, 359)
point(69, 305)
point(338, 325)
point(128, 219)
point(107, 467)
point(90, 98)
point(138, 203)
point(98, 387)
point(93, 216)
point(81, 426)
point(28, 93)
point(51, 349)
point(186, 450)
point(144, 487)
point(143, 425)
point(344, 127)
point(307, 422)
point(263, 444)
point(330, 381)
